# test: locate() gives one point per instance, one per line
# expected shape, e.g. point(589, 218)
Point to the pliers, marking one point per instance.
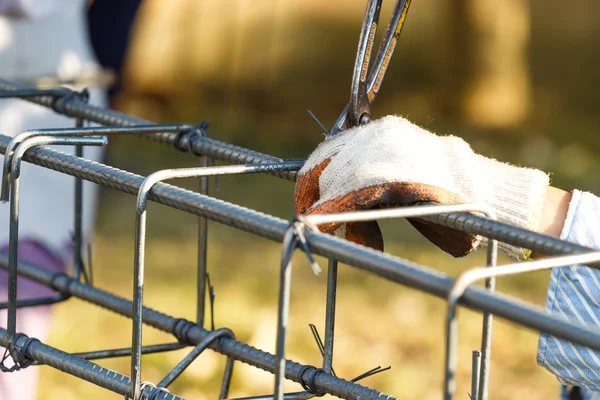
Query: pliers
point(365, 84)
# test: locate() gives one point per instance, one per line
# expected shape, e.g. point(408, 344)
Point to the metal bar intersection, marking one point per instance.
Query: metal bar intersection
point(316, 381)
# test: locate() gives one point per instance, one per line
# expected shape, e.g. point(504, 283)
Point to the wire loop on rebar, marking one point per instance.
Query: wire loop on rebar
point(18, 355)
point(297, 226)
point(186, 140)
point(60, 96)
point(152, 390)
point(59, 102)
point(310, 386)
point(181, 329)
point(22, 359)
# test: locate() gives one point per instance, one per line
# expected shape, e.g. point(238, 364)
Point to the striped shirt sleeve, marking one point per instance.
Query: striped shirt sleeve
point(574, 293)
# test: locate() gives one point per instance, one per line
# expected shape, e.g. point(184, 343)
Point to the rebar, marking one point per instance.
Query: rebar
point(192, 138)
point(471, 276)
point(76, 132)
point(140, 243)
point(93, 373)
point(78, 264)
point(384, 265)
point(217, 150)
point(475, 368)
point(126, 351)
point(74, 107)
point(188, 331)
point(492, 256)
point(202, 276)
point(196, 351)
point(332, 272)
point(13, 246)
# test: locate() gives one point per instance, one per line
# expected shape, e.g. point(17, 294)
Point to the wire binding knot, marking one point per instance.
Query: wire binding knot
point(311, 386)
point(154, 391)
point(59, 103)
point(181, 329)
point(297, 227)
point(19, 356)
point(55, 277)
point(185, 142)
point(186, 139)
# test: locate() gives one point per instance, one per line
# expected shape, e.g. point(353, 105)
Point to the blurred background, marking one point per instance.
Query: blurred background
point(518, 79)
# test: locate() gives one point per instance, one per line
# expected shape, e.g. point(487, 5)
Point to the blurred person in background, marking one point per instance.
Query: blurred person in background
point(110, 26)
point(58, 41)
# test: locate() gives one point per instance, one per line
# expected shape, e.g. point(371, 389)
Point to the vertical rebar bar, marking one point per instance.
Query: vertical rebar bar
point(13, 239)
point(486, 334)
point(285, 280)
point(452, 333)
point(202, 250)
point(330, 315)
point(138, 294)
point(140, 244)
point(468, 278)
point(475, 370)
point(78, 221)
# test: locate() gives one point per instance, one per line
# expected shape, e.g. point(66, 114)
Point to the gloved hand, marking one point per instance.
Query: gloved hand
point(391, 162)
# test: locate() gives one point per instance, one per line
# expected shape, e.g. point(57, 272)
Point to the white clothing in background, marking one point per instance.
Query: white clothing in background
point(49, 38)
point(54, 45)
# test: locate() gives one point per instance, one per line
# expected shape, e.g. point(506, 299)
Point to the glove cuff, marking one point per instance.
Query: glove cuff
point(517, 195)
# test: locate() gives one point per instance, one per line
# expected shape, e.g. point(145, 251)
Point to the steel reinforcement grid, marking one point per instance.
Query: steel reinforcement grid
point(23, 351)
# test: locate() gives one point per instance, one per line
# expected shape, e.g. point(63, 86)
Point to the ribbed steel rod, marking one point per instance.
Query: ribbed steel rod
point(140, 242)
point(404, 272)
point(13, 247)
point(392, 268)
point(262, 224)
point(72, 106)
point(190, 332)
point(126, 351)
point(78, 367)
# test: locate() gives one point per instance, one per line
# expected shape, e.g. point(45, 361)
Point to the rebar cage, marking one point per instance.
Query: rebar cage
point(296, 234)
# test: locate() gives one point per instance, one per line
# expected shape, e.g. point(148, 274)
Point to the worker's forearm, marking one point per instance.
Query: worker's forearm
point(554, 213)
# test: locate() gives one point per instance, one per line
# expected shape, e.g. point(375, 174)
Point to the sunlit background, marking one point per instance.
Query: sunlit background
point(517, 79)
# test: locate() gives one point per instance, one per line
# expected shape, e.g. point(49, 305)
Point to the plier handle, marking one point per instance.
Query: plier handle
point(365, 83)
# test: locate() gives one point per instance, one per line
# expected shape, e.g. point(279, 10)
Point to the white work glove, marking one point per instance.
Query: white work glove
point(391, 162)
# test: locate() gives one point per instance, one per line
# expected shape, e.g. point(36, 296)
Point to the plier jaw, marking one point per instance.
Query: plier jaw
point(365, 83)
point(360, 107)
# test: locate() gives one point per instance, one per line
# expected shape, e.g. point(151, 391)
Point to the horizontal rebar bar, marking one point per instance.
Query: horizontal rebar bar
point(73, 106)
point(217, 210)
point(190, 332)
point(78, 367)
point(387, 266)
point(469, 223)
point(394, 269)
point(126, 351)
